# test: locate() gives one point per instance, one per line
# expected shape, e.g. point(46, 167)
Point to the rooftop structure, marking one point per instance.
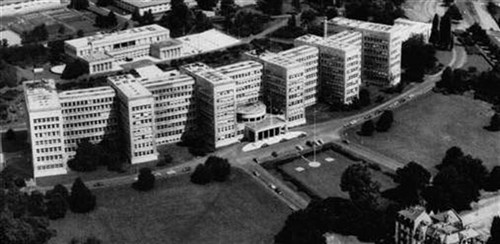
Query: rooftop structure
point(41, 95)
point(129, 87)
point(123, 36)
point(364, 25)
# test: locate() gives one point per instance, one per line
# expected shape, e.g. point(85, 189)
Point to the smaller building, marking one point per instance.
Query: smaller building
point(412, 28)
point(167, 50)
point(143, 6)
point(415, 226)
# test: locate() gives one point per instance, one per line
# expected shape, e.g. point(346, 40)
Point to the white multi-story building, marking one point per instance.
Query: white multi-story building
point(143, 6)
point(381, 49)
point(216, 100)
point(131, 43)
point(248, 77)
point(89, 114)
point(45, 127)
point(284, 82)
point(308, 57)
point(175, 105)
point(339, 65)
point(136, 109)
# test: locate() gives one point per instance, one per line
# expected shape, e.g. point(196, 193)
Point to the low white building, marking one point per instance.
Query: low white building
point(18, 7)
point(143, 6)
point(412, 28)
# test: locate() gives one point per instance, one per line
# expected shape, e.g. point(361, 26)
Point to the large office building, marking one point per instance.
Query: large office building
point(175, 105)
point(381, 49)
point(45, 128)
point(339, 65)
point(143, 6)
point(284, 83)
point(415, 226)
point(136, 109)
point(308, 57)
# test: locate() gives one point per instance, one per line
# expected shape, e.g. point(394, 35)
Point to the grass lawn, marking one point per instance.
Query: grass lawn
point(177, 211)
point(477, 61)
point(425, 128)
point(325, 180)
point(443, 57)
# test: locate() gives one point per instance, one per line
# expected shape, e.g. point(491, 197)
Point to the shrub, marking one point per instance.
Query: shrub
point(145, 180)
point(81, 199)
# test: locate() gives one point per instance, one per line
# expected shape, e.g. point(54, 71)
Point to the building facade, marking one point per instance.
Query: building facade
point(415, 226)
point(283, 83)
point(381, 49)
point(308, 57)
point(143, 6)
point(412, 28)
point(339, 65)
point(136, 109)
point(174, 106)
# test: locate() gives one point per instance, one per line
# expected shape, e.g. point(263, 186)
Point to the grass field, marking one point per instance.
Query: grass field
point(177, 211)
point(478, 62)
point(325, 180)
point(425, 128)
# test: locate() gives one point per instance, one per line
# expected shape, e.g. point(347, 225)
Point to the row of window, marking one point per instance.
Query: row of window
point(44, 120)
point(86, 102)
point(48, 158)
point(173, 89)
point(47, 134)
point(45, 127)
point(143, 153)
point(49, 166)
point(88, 108)
point(142, 107)
point(48, 149)
point(47, 142)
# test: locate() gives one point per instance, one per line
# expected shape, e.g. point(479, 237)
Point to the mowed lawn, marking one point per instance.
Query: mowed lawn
point(177, 211)
point(325, 180)
point(425, 128)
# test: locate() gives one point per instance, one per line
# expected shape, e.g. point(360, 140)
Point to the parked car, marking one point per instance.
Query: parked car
point(98, 184)
point(299, 147)
point(257, 174)
point(345, 141)
point(273, 187)
point(171, 172)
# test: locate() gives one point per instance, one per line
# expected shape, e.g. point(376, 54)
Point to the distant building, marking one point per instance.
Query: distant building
point(415, 226)
point(104, 53)
point(413, 28)
point(339, 65)
point(18, 7)
point(143, 6)
point(381, 49)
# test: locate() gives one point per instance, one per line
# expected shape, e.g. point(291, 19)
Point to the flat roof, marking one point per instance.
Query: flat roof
point(270, 121)
point(129, 86)
point(280, 60)
point(41, 95)
point(168, 78)
point(168, 43)
point(215, 77)
point(119, 35)
point(296, 51)
point(364, 25)
point(85, 93)
point(206, 41)
point(196, 67)
point(238, 67)
point(100, 56)
point(149, 3)
point(149, 71)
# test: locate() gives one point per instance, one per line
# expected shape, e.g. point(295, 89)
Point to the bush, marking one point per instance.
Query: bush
point(215, 168)
point(145, 180)
point(274, 154)
point(385, 121)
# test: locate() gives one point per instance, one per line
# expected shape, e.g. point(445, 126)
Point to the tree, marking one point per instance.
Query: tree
point(81, 199)
point(412, 179)
point(10, 135)
point(207, 4)
point(494, 231)
point(219, 167)
point(271, 7)
point(145, 180)
point(494, 123)
point(297, 5)
point(445, 32)
point(57, 206)
point(416, 68)
point(307, 18)
point(385, 121)
point(454, 12)
point(111, 19)
point(493, 182)
point(363, 191)
point(452, 155)
point(74, 70)
point(446, 78)
point(8, 75)
point(364, 97)
point(367, 128)
point(36, 204)
point(25, 230)
point(136, 16)
point(86, 157)
point(435, 35)
point(80, 33)
point(201, 175)
point(61, 30)
point(79, 4)
point(227, 7)
point(179, 20)
point(448, 2)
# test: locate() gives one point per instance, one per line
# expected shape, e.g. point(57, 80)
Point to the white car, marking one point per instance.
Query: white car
point(299, 147)
point(171, 172)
